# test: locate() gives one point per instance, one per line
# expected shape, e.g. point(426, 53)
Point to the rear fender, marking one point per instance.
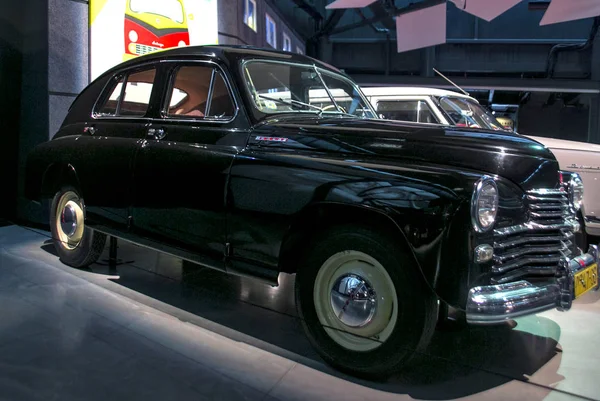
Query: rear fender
point(56, 176)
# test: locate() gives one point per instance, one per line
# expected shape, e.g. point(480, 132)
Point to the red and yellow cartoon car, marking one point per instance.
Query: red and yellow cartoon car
point(153, 25)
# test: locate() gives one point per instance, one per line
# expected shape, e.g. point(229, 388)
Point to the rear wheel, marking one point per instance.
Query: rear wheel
point(76, 244)
point(363, 305)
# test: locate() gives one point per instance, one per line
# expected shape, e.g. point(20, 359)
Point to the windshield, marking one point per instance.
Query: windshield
point(467, 113)
point(171, 9)
point(278, 87)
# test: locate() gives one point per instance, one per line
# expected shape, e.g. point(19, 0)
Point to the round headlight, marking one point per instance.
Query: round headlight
point(484, 204)
point(576, 191)
point(133, 36)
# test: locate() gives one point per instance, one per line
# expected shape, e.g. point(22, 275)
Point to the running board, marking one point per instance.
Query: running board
point(231, 266)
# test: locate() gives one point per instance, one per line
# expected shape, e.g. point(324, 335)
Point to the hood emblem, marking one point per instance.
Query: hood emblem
point(271, 139)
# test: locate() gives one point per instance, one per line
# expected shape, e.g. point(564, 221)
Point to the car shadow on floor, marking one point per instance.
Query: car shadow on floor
point(459, 362)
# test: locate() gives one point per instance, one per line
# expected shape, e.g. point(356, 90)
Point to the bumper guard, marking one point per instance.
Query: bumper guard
point(497, 303)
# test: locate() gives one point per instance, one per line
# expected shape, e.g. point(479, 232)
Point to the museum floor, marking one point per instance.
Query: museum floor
point(159, 330)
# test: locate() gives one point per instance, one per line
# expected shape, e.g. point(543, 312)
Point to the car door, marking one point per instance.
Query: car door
point(181, 170)
point(119, 124)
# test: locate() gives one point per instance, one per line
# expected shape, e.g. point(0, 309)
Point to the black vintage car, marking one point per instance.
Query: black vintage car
point(256, 162)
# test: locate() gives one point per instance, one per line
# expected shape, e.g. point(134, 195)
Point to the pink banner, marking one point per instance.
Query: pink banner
point(486, 9)
point(421, 28)
point(350, 4)
point(569, 10)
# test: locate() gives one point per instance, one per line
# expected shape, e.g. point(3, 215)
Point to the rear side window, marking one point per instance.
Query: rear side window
point(129, 95)
point(199, 92)
point(110, 104)
point(416, 111)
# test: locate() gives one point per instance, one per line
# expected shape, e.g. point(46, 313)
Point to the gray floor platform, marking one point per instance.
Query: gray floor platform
point(159, 329)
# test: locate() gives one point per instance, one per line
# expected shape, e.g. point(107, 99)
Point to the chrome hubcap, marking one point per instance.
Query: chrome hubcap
point(353, 300)
point(68, 220)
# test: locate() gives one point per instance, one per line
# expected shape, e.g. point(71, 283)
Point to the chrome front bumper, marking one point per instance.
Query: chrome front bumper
point(498, 303)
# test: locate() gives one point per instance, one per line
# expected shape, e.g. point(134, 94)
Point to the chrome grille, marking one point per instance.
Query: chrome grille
point(533, 249)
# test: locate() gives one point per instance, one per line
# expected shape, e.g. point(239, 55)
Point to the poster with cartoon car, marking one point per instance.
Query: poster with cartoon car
point(124, 29)
point(153, 25)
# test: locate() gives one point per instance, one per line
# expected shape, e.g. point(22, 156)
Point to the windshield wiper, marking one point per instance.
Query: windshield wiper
point(292, 102)
point(343, 113)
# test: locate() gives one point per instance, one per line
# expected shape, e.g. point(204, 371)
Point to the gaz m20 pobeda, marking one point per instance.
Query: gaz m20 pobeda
point(258, 162)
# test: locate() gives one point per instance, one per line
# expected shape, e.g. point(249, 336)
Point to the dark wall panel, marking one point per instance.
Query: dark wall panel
point(68, 59)
point(516, 23)
point(555, 121)
point(10, 104)
point(233, 30)
point(34, 94)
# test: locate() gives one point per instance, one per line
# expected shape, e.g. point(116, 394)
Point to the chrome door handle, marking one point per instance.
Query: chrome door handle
point(157, 133)
point(90, 130)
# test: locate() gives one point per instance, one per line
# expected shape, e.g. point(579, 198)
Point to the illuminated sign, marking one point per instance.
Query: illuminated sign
point(124, 29)
point(506, 122)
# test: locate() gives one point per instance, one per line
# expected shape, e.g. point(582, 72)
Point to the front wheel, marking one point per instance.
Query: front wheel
point(364, 307)
point(76, 245)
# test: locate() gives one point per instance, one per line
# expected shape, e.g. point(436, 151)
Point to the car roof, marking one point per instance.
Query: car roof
point(229, 53)
point(410, 91)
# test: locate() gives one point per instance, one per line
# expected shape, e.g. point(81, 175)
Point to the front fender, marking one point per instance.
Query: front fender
point(431, 222)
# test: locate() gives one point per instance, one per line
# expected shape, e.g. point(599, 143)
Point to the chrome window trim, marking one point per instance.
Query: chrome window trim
point(403, 98)
point(214, 65)
point(314, 66)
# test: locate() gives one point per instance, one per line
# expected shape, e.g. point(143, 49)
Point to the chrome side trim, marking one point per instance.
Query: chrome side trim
point(525, 261)
point(550, 206)
point(530, 250)
point(541, 271)
point(525, 227)
point(527, 240)
point(542, 214)
point(546, 191)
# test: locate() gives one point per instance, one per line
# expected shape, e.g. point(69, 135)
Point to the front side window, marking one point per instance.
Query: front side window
point(171, 9)
point(279, 87)
point(287, 43)
point(417, 111)
point(467, 113)
point(250, 14)
point(271, 31)
point(129, 95)
point(199, 92)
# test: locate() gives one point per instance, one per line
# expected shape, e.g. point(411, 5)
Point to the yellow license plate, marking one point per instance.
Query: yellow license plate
point(586, 280)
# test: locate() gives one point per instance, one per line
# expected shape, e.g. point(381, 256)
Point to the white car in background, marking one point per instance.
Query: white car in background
point(438, 106)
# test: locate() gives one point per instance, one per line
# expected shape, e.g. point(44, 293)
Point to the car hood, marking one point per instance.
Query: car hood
point(510, 155)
